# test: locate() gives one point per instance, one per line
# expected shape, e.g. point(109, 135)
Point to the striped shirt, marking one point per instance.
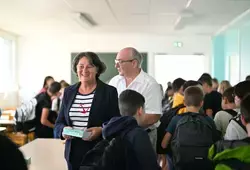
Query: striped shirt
point(80, 109)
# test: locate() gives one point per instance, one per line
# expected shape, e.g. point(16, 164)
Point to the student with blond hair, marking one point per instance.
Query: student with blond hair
point(224, 85)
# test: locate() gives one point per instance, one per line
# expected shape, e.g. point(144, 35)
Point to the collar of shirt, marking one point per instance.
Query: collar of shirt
point(138, 79)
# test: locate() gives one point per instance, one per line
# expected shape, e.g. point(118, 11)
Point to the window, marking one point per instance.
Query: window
point(234, 69)
point(170, 67)
point(7, 64)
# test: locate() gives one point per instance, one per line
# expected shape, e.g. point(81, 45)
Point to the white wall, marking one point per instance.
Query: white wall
point(42, 55)
point(9, 98)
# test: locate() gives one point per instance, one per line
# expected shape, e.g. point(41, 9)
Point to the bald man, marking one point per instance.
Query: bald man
point(128, 63)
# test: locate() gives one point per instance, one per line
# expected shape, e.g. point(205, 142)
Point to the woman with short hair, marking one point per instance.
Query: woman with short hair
point(86, 105)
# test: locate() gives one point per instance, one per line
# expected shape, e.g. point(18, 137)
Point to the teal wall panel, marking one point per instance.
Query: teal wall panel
point(218, 60)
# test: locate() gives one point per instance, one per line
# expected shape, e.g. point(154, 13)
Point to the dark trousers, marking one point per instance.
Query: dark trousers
point(73, 167)
point(78, 150)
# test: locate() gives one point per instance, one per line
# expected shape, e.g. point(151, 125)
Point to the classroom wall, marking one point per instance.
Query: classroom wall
point(218, 59)
point(245, 51)
point(9, 98)
point(42, 55)
point(233, 41)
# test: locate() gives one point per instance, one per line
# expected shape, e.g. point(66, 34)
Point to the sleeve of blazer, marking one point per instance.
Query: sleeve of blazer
point(60, 121)
point(114, 111)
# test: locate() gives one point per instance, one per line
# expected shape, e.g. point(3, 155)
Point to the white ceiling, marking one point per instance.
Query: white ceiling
point(201, 17)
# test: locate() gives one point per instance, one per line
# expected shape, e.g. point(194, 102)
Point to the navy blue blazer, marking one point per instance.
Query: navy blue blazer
point(104, 107)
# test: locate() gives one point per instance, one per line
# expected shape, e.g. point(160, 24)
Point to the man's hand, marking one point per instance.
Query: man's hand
point(149, 119)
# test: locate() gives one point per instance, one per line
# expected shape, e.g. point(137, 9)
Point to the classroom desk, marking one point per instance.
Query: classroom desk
point(46, 154)
point(2, 129)
point(7, 122)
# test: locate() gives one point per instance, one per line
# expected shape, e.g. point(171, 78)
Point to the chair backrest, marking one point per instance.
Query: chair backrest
point(18, 138)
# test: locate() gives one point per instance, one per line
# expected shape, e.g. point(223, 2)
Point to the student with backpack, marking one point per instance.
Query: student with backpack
point(36, 115)
point(234, 154)
point(45, 121)
point(229, 111)
point(178, 98)
point(126, 145)
point(235, 129)
point(166, 119)
point(192, 134)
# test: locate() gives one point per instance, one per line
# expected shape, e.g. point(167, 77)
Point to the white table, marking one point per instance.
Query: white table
point(2, 129)
point(7, 122)
point(46, 154)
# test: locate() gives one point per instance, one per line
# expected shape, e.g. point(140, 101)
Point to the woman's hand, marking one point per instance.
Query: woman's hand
point(66, 136)
point(95, 132)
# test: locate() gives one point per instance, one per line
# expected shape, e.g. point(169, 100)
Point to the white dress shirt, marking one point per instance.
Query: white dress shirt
point(145, 85)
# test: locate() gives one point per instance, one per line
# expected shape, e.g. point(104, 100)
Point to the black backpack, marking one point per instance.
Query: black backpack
point(234, 164)
point(161, 130)
point(110, 154)
point(107, 154)
point(191, 141)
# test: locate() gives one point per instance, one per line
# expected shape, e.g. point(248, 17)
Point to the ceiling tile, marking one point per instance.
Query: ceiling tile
point(121, 7)
point(134, 20)
point(164, 20)
point(167, 6)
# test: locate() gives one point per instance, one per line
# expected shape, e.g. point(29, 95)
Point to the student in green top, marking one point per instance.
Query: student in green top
point(234, 154)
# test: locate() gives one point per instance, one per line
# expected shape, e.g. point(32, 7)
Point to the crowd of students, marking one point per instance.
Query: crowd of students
point(199, 124)
point(225, 108)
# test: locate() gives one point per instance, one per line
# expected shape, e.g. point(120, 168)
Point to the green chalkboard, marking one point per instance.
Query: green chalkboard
point(109, 60)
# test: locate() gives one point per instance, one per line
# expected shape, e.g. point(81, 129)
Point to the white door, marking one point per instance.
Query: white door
point(170, 67)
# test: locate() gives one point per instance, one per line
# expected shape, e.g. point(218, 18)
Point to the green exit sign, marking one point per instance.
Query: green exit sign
point(178, 44)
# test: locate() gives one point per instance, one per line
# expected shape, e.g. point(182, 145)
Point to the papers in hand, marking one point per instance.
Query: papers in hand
point(76, 133)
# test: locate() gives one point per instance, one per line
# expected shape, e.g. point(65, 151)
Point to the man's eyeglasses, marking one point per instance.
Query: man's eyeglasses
point(123, 61)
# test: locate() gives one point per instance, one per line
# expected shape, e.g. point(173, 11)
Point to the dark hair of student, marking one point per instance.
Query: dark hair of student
point(215, 80)
point(64, 84)
point(54, 88)
point(207, 80)
point(166, 92)
point(245, 108)
point(93, 59)
point(193, 96)
point(242, 89)
point(129, 102)
point(45, 81)
point(177, 84)
point(206, 75)
point(190, 83)
point(228, 93)
point(248, 78)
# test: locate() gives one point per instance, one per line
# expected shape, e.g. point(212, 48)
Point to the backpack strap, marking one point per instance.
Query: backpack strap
point(237, 119)
point(179, 107)
point(222, 145)
point(235, 164)
point(231, 112)
point(191, 114)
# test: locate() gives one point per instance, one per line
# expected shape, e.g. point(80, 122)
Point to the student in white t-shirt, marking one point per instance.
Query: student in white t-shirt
point(223, 117)
point(128, 63)
point(236, 130)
